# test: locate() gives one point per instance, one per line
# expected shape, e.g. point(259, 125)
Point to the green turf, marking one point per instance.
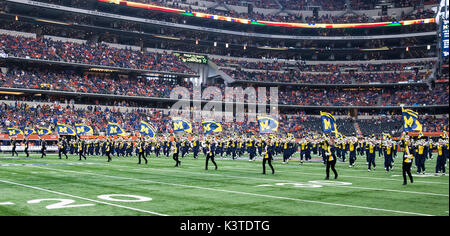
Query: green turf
point(237, 188)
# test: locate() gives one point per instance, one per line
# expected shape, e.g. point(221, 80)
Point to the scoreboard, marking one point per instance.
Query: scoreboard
point(192, 58)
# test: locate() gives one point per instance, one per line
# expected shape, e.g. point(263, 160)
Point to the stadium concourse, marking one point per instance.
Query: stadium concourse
point(378, 68)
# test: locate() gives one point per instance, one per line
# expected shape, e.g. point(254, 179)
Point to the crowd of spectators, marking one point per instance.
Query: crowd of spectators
point(295, 76)
point(274, 71)
point(161, 88)
point(21, 115)
point(280, 65)
point(414, 96)
point(24, 115)
point(90, 53)
point(71, 81)
point(320, 49)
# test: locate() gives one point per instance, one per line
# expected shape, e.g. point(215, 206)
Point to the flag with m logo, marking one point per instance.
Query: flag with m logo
point(267, 125)
point(411, 121)
point(180, 124)
point(82, 129)
point(328, 123)
point(65, 129)
point(147, 129)
point(43, 131)
point(114, 129)
point(14, 131)
point(211, 126)
point(29, 131)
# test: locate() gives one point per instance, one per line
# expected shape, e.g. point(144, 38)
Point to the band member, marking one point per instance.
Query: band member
point(184, 147)
point(251, 149)
point(167, 146)
point(43, 147)
point(210, 154)
point(81, 149)
point(324, 148)
point(97, 147)
point(308, 149)
point(353, 144)
point(343, 149)
point(158, 147)
point(441, 158)
point(420, 156)
point(14, 145)
point(331, 159)
point(73, 146)
point(26, 147)
point(371, 154)
point(430, 149)
point(176, 151)
point(267, 155)
point(141, 147)
point(108, 149)
point(407, 161)
point(387, 146)
point(62, 148)
point(196, 147)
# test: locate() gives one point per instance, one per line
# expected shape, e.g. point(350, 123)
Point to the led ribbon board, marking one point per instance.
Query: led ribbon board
point(268, 23)
point(445, 36)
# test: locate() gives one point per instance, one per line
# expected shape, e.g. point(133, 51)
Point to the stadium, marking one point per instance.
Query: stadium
point(116, 108)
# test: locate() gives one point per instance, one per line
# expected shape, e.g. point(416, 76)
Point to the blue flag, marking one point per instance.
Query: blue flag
point(82, 129)
point(29, 131)
point(210, 126)
point(328, 123)
point(411, 120)
point(180, 124)
point(114, 129)
point(147, 129)
point(14, 131)
point(43, 131)
point(267, 124)
point(65, 129)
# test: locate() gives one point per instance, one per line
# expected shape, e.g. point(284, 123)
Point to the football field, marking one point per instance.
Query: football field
point(51, 186)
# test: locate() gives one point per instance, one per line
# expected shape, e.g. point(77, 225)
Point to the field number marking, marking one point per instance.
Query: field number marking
point(110, 197)
point(63, 203)
point(66, 203)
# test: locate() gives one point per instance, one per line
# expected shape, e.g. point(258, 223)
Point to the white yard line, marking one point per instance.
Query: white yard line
point(285, 181)
point(6, 203)
point(313, 167)
point(243, 193)
point(83, 198)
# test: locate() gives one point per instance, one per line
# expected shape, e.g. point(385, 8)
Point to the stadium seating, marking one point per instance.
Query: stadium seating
point(30, 114)
point(374, 78)
point(89, 53)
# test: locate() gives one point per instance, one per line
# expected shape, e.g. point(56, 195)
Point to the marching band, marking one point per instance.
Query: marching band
point(415, 150)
